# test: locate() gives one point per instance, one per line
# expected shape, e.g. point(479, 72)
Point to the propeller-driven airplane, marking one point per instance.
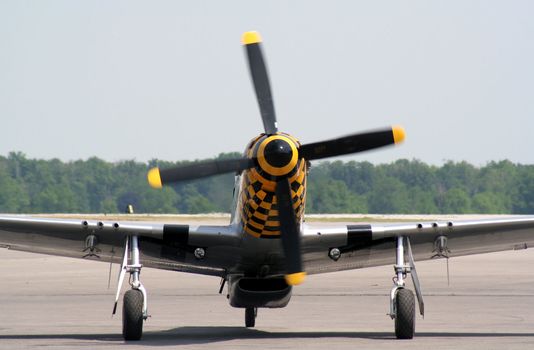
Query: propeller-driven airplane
point(267, 248)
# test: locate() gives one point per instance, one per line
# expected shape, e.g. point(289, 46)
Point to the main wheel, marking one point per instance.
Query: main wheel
point(405, 317)
point(250, 316)
point(132, 315)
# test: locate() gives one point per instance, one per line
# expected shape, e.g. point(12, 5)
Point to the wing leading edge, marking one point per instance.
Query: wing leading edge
point(366, 245)
point(172, 247)
point(165, 246)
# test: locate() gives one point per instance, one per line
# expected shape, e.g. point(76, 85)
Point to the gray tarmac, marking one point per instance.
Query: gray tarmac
point(59, 303)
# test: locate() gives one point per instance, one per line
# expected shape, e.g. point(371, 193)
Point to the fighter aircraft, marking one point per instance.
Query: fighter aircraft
point(266, 248)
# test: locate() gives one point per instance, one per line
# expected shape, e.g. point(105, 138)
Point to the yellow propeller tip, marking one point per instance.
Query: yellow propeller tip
point(398, 134)
point(154, 178)
point(251, 38)
point(294, 279)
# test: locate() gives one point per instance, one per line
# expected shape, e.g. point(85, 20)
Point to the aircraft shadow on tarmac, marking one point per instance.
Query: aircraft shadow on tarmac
point(204, 335)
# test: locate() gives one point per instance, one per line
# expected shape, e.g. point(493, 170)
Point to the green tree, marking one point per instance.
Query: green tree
point(421, 202)
point(389, 195)
point(456, 201)
point(404, 186)
point(333, 196)
point(13, 196)
point(524, 199)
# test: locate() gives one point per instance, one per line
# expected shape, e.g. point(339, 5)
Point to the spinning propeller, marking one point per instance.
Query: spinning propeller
point(278, 152)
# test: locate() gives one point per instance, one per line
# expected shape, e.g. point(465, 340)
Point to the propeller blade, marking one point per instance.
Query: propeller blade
point(290, 233)
point(352, 143)
point(260, 78)
point(157, 178)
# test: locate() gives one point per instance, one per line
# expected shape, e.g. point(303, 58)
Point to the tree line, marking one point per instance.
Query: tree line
point(404, 186)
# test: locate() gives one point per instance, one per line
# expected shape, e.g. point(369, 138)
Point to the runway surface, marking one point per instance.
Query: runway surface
point(59, 303)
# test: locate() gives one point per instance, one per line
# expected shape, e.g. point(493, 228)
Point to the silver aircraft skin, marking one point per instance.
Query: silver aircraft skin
point(227, 246)
point(261, 262)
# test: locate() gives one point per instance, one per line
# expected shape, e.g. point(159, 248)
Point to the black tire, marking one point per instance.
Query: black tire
point(132, 315)
point(250, 317)
point(405, 317)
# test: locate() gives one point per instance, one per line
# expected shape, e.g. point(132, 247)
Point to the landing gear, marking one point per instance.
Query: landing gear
point(132, 315)
point(250, 316)
point(134, 307)
point(405, 314)
point(402, 301)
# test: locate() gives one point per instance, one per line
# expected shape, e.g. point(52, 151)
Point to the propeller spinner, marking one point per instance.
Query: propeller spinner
point(277, 155)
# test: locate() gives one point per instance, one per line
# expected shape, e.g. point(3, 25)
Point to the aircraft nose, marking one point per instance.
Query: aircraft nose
point(278, 153)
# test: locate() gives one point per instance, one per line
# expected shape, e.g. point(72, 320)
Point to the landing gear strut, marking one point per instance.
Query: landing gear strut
point(402, 301)
point(134, 307)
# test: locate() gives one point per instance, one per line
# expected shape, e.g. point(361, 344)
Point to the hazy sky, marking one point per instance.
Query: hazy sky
point(168, 79)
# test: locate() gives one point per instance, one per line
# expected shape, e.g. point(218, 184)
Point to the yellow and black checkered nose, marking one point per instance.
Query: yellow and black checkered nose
point(277, 155)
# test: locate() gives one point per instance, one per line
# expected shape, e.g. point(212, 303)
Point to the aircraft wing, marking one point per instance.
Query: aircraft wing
point(171, 246)
point(164, 246)
point(366, 245)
